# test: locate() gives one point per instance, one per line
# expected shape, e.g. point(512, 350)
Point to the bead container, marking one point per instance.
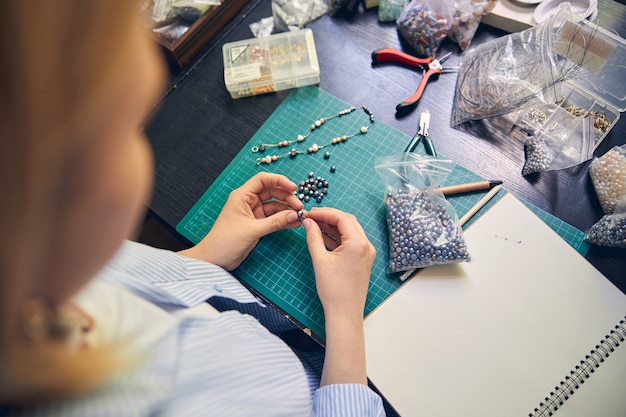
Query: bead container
point(566, 131)
point(268, 64)
point(422, 231)
point(610, 231)
point(577, 114)
point(423, 227)
point(608, 176)
point(424, 24)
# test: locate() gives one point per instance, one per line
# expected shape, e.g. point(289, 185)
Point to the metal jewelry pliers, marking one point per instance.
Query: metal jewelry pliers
point(430, 67)
point(422, 135)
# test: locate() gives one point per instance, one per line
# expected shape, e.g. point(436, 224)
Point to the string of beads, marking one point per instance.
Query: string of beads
point(268, 159)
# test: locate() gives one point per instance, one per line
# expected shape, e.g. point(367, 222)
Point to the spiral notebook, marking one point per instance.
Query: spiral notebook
point(527, 328)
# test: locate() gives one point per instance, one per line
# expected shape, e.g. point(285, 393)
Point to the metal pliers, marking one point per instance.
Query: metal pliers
point(422, 135)
point(430, 67)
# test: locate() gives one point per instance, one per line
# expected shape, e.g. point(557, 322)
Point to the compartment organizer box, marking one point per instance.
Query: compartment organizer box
point(268, 64)
point(590, 103)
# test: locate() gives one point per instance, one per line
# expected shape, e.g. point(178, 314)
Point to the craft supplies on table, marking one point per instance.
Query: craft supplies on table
point(528, 328)
point(280, 266)
point(272, 63)
point(563, 86)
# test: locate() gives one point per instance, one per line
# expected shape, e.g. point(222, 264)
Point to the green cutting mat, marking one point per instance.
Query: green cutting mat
point(280, 266)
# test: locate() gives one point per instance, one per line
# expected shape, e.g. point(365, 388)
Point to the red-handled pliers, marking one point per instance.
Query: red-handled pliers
point(430, 66)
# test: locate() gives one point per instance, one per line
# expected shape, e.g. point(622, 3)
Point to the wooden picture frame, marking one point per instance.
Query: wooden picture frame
point(183, 49)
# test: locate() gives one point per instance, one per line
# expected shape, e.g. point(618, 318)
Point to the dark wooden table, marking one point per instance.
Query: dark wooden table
point(197, 128)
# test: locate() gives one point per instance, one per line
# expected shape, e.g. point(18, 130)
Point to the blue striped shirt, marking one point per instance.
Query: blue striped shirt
point(195, 359)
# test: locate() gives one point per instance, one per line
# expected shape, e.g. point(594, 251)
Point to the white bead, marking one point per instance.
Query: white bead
point(364, 129)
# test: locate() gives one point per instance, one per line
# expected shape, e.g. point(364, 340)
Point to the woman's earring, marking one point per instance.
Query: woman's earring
point(36, 316)
point(65, 323)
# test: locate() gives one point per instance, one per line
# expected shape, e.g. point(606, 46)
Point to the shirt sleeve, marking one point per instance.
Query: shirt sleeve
point(347, 400)
point(165, 277)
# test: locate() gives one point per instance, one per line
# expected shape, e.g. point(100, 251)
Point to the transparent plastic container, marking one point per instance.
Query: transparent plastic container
point(268, 64)
point(593, 99)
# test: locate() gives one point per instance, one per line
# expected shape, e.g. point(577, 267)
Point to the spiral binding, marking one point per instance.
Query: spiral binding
point(581, 372)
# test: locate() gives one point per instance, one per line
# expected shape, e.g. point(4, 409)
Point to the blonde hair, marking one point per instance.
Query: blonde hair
point(56, 59)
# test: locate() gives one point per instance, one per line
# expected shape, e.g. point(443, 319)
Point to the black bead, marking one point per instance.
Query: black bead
point(326, 155)
point(333, 168)
point(261, 148)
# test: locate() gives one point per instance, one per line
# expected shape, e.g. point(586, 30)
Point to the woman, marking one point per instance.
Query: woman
point(77, 80)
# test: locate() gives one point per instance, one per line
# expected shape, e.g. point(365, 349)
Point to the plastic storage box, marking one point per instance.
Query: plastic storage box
point(593, 99)
point(273, 63)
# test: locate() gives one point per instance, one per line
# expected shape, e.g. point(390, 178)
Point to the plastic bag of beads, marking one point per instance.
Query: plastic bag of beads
point(608, 176)
point(424, 24)
point(343, 8)
point(423, 227)
point(390, 10)
point(466, 18)
point(610, 230)
point(564, 140)
point(501, 76)
point(292, 15)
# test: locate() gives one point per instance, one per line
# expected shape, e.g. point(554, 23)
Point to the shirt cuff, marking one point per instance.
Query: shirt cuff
point(347, 400)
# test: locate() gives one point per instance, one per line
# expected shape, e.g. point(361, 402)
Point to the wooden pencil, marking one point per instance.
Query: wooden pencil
point(469, 187)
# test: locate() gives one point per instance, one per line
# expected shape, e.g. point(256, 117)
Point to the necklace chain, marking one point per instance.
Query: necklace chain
point(268, 159)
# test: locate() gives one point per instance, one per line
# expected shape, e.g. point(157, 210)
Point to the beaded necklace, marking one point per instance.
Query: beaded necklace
point(268, 159)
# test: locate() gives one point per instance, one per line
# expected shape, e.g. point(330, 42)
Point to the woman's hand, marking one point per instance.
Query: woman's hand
point(264, 204)
point(341, 274)
point(342, 277)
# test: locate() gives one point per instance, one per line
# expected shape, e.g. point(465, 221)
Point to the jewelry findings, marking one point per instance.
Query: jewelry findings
point(314, 148)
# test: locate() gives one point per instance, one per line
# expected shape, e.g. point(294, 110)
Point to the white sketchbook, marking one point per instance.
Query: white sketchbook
point(527, 328)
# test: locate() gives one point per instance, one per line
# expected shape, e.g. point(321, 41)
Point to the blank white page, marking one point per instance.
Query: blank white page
point(493, 336)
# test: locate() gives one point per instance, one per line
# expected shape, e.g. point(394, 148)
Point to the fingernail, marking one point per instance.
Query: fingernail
point(292, 217)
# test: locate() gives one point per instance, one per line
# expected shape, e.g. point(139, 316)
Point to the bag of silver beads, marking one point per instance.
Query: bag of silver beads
point(564, 141)
point(610, 230)
point(423, 226)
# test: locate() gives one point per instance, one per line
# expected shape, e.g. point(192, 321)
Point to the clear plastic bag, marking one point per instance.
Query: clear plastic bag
point(608, 175)
point(466, 18)
point(501, 76)
point(424, 24)
point(563, 140)
point(610, 230)
point(292, 15)
point(390, 10)
point(423, 227)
